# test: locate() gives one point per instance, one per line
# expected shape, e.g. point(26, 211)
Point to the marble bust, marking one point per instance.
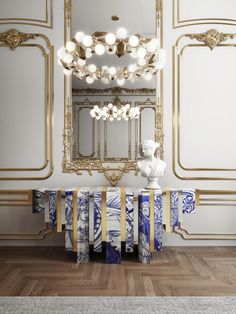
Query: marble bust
point(150, 166)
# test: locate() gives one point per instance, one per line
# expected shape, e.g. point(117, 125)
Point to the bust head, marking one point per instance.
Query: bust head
point(148, 148)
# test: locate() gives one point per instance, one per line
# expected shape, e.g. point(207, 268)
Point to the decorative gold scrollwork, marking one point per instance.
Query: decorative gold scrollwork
point(13, 38)
point(211, 38)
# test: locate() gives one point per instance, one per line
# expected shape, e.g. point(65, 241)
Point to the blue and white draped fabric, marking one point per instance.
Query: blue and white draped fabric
point(144, 227)
point(188, 201)
point(83, 227)
point(129, 244)
point(113, 234)
point(158, 226)
point(68, 220)
point(174, 211)
point(97, 221)
point(52, 208)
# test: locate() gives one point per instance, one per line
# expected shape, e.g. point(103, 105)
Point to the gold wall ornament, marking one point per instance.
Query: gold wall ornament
point(120, 91)
point(211, 38)
point(13, 38)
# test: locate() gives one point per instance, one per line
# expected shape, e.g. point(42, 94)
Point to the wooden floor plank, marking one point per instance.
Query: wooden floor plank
point(176, 271)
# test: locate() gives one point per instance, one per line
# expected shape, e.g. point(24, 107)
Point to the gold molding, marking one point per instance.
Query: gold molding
point(112, 170)
point(114, 91)
point(211, 39)
point(40, 235)
point(6, 198)
point(77, 107)
point(47, 22)
point(186, 235)
point(14, 39)
point(177, 22)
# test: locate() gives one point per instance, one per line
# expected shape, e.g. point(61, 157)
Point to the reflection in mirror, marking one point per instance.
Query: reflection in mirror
point(98, 138)
point(112, 58)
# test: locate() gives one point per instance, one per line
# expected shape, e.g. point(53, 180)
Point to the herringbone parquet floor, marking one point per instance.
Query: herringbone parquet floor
point(176, 271)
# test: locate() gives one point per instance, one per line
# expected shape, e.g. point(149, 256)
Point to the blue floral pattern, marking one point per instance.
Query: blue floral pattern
point(113, 235)
point(69, 220)
point(52, 208)
point(188, 203)
point(97, 221)
point(144, 228)
point(174, 208)
point(158, 226)
point(83, 227)
point(129, 244)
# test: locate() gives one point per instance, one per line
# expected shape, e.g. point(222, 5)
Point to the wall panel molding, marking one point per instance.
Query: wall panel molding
point(213, 40)
point(177, 21)
point(14, 39)
point(47, 21)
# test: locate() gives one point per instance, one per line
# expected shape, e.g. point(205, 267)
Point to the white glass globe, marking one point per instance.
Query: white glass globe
point(99, 49)
point(127, 106)
point(118, 118)
point(110, 105)
point(88, 53)
point(142, 62)
point(87, 41)
point(132, 68)
point(153, 45)
point(79, 36)
point(121, 33)
point(61, 52)
point(121, 82)
point(68, 58)
point(141, 52)
point(105, 68)
point(110, 39)
point(133, 41)
point(111, 118)
point(114, 109)
point(89, 80)
point(96, 108)
point(112, 71)
point(92, 68)
point(67, 72)
point(70, 46)
point(148, 76)
point(81, 61)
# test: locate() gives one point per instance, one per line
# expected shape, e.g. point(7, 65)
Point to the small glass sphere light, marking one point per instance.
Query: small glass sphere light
point(79, 36)
point(110, 39)
point(99, 49)
point(121, 33)
point(87, 41)
point(70, 46)
point(133, 41)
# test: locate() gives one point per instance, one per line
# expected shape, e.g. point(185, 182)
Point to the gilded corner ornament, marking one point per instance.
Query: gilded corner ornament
point(211, 38)
point(13, 38)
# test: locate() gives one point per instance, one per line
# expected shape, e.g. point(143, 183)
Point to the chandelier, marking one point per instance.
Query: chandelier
point(145, 51)
point(115, 111)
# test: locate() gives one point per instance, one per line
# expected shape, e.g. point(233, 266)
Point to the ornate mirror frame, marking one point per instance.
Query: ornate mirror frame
point(112, 170)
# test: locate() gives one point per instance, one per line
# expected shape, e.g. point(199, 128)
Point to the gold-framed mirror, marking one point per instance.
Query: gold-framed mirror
point(111, 147)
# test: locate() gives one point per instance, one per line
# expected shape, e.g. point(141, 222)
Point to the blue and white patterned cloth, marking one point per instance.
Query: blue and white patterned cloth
point(97, 241)
point(83, 227)
point(188, 201)
point(158, 226)
point(174, 208)
point(129, 244)
point(68, 220)
point(113, 234)
point(144, 228)
point(52, 208)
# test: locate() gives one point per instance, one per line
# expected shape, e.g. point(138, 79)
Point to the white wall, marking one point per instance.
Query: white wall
point(208, 219)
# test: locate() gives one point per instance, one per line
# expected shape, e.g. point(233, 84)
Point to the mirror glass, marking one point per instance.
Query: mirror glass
point(113, 141)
